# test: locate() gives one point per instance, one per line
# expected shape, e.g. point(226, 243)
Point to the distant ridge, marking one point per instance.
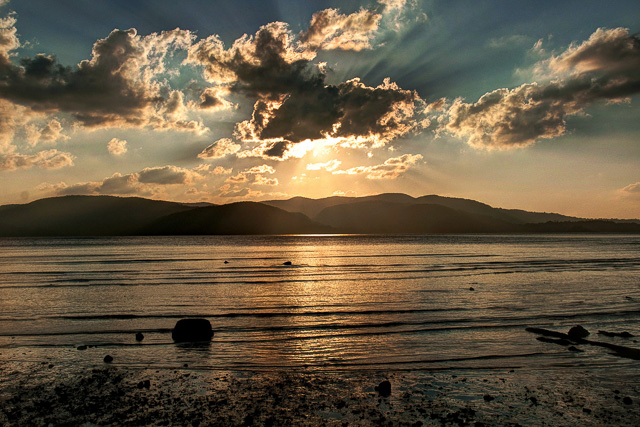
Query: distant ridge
point(391, 213)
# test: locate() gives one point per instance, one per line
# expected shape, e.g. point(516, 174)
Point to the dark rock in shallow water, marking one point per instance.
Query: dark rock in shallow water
point(81, 347)
point(384, 388)
point(226, 262)
point(575, 349)
point(108, 359)
point(192, 330)
point(471, 288)
point(286, 263)
point(488, 398)
point(627, 400)
point(139, 336)
point(578, 333)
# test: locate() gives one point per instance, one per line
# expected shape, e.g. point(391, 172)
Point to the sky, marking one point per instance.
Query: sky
point(518, 104)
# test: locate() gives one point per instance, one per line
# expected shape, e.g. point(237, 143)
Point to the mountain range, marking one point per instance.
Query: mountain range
point(381, 214)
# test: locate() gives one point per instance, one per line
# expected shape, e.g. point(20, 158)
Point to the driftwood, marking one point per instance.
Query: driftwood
point(562, 339)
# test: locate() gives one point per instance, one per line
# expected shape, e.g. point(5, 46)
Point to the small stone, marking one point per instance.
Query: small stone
point(575, 349)
point(81, 347)
point(488, 398)
point(186, 365)
point(286, 263)
point(471, 288)
point(139, 336)
point(384, 388)
point(108, 359)
point(533, 400)
point(226, 262)
point(586, 410)
point(627, 400)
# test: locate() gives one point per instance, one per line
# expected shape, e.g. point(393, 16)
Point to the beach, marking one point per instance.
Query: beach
point(467, 330)
point(109, 394)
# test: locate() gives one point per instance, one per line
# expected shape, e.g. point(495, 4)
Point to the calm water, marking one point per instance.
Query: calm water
point(347, 302)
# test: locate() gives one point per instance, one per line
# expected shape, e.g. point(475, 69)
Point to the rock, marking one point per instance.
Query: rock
point(471, 288)
point(384, 388)
point(226, 262)
point(192, 330)
point(139, 336)
point(627, 400)
point(108, 359)
point(144, 384)
point(81, 347)
point(577, 350)
point(533, 400)
point(488, 398)
point(286, 263)
point(578, 333)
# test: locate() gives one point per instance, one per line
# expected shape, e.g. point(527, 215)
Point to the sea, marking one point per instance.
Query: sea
point(345, 302)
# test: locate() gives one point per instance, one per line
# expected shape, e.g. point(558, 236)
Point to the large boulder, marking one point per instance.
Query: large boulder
point(192, 330)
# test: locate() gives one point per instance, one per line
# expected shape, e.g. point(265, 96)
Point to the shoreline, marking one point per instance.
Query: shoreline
point(114, 395)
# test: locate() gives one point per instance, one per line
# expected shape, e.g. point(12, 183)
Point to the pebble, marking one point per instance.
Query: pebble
point(108, 359)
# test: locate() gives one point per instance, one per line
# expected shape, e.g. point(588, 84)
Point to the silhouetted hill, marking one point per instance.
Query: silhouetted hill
point(83, 216)
point(312, 207)
point(236, 218)
point(384, 213)
point(385, 217)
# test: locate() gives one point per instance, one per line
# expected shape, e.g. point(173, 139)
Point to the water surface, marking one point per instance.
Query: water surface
point(346, 302)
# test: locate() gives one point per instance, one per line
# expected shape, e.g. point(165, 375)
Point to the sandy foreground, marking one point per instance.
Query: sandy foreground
point(42, 394)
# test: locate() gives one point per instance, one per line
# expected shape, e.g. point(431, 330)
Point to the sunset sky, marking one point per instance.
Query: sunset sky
point(518, 104)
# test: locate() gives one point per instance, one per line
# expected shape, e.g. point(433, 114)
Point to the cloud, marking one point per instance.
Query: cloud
point(329, 166)
point(329, 29)
point(147, 182)
point(167, 175)
point(218, 170)
point(50, 133)
point(122, 85)
point(219, 149)
point(604, 68)
point(262, 180)
point(632, 189)
point(12, 117)
point(117, 146)
point(8, 38)
point(294, 103)
point(391, 169)
point(49, 159)
point(237, 179)
point(260, 169)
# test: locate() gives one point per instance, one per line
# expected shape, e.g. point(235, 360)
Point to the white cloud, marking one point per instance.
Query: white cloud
point(117, 146)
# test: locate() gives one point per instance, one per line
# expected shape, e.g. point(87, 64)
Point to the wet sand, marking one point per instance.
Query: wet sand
point(111, 394)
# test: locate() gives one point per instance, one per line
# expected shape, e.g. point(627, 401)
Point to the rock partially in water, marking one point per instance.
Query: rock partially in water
point(81, 347)
point(139, 336)
point(627, 400)
point(578, 333)
point(286, 263)
point(108, 359)
point(488, 398)
point(384, 388)
point(192, 330)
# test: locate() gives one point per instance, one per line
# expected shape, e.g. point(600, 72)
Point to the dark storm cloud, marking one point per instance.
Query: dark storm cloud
point(294, 101)
point(606, 67)
point(117, 87)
